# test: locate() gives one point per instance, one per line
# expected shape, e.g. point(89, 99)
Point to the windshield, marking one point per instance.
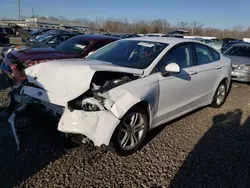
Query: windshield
point(73, 45)
point(42, 38)
point(35, 32)
point(243, 51)
point(130, 53)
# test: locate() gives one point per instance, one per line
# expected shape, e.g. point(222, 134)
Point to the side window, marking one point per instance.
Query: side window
point(203, 54)
point(182, 55)
point(215, 54)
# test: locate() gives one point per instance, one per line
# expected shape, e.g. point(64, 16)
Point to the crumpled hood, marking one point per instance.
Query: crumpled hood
point(64, 80)
point(237, 60)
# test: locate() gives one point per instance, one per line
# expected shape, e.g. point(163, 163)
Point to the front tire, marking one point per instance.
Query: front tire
point(131, 132)
point(220, 95)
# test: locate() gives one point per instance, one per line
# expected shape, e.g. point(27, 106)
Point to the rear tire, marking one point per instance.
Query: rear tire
point(220, 95)
point(131, 132)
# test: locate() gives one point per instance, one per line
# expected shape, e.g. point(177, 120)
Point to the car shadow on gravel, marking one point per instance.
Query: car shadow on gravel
point(221, 158)
point(154, 132)
point(40, 143)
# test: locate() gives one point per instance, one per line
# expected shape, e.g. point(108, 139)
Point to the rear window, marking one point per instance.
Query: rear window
point(73, 45)
point(215, 54)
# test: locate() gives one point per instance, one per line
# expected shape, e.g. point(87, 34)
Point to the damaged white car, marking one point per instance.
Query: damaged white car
point(127, 88)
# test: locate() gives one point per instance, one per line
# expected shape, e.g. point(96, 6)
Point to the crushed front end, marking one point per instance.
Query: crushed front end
point(89, 114)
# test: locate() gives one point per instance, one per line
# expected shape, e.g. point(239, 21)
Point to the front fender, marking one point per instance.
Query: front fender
point(123, 104)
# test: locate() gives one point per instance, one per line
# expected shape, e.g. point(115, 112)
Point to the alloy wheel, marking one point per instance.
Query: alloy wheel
point(221, 94)
point(131, 132)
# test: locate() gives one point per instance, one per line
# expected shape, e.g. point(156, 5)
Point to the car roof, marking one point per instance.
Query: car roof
point(96, 37)
point(167, 40)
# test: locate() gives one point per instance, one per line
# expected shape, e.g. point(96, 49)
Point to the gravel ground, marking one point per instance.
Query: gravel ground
point(207, 148)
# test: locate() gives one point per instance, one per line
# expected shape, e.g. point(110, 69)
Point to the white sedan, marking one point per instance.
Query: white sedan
point(129, 87)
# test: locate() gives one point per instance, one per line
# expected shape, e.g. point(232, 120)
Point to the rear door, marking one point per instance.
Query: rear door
point(208, 68)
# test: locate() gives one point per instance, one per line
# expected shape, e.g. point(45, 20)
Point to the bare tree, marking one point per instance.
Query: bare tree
point(237, 31)
point(156, 25)
point(196, 28)
point(183, 25)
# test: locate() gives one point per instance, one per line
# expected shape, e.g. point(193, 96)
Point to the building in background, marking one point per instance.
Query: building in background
point(45, 23)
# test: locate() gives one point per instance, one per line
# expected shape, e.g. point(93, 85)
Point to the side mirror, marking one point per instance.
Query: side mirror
point(171, 68)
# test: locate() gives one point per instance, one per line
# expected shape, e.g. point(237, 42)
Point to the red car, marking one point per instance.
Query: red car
point(76, 47)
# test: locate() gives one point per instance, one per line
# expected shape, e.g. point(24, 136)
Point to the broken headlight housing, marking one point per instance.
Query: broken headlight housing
point(90, 104)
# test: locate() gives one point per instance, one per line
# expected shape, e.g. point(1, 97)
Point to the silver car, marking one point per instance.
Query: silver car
point(240, 56)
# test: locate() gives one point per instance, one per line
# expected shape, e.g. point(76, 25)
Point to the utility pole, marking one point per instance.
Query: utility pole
point(96, 27)
point(33, 17)
point(19, 10)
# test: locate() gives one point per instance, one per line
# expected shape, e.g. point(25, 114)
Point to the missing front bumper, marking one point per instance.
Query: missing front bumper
point(98, 126)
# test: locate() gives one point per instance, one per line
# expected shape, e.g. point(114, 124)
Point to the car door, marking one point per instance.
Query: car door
point(209, 69)
point(178, 93)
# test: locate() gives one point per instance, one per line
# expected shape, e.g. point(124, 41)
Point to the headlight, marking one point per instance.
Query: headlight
point(243, 68)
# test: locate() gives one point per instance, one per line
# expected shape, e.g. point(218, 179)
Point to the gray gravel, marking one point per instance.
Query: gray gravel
point(207, 148)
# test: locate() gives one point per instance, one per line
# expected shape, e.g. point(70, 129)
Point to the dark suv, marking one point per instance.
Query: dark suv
point(4, 39)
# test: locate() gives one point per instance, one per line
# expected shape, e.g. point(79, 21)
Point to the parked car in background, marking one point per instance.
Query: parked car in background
point(202, 40)
point(38, 32)
point(9, 31)
point(240, 55)
point(42, 41)
point(4, 39)
point(227, 40)
point(128, 87)
point(229, 44)
point(124, 36)
point(53, 32)
point(177, 33)
point(155, 35)
point(216, 44)
point(76, 47)
point(24, 33)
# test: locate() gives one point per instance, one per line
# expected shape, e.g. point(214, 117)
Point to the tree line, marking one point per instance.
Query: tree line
point(154, 26)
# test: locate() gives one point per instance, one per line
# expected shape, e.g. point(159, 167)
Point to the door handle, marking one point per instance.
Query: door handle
point(192, 72)
point(218, 67)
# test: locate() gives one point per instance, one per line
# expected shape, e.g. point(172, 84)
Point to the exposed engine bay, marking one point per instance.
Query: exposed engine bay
point(93, 99)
